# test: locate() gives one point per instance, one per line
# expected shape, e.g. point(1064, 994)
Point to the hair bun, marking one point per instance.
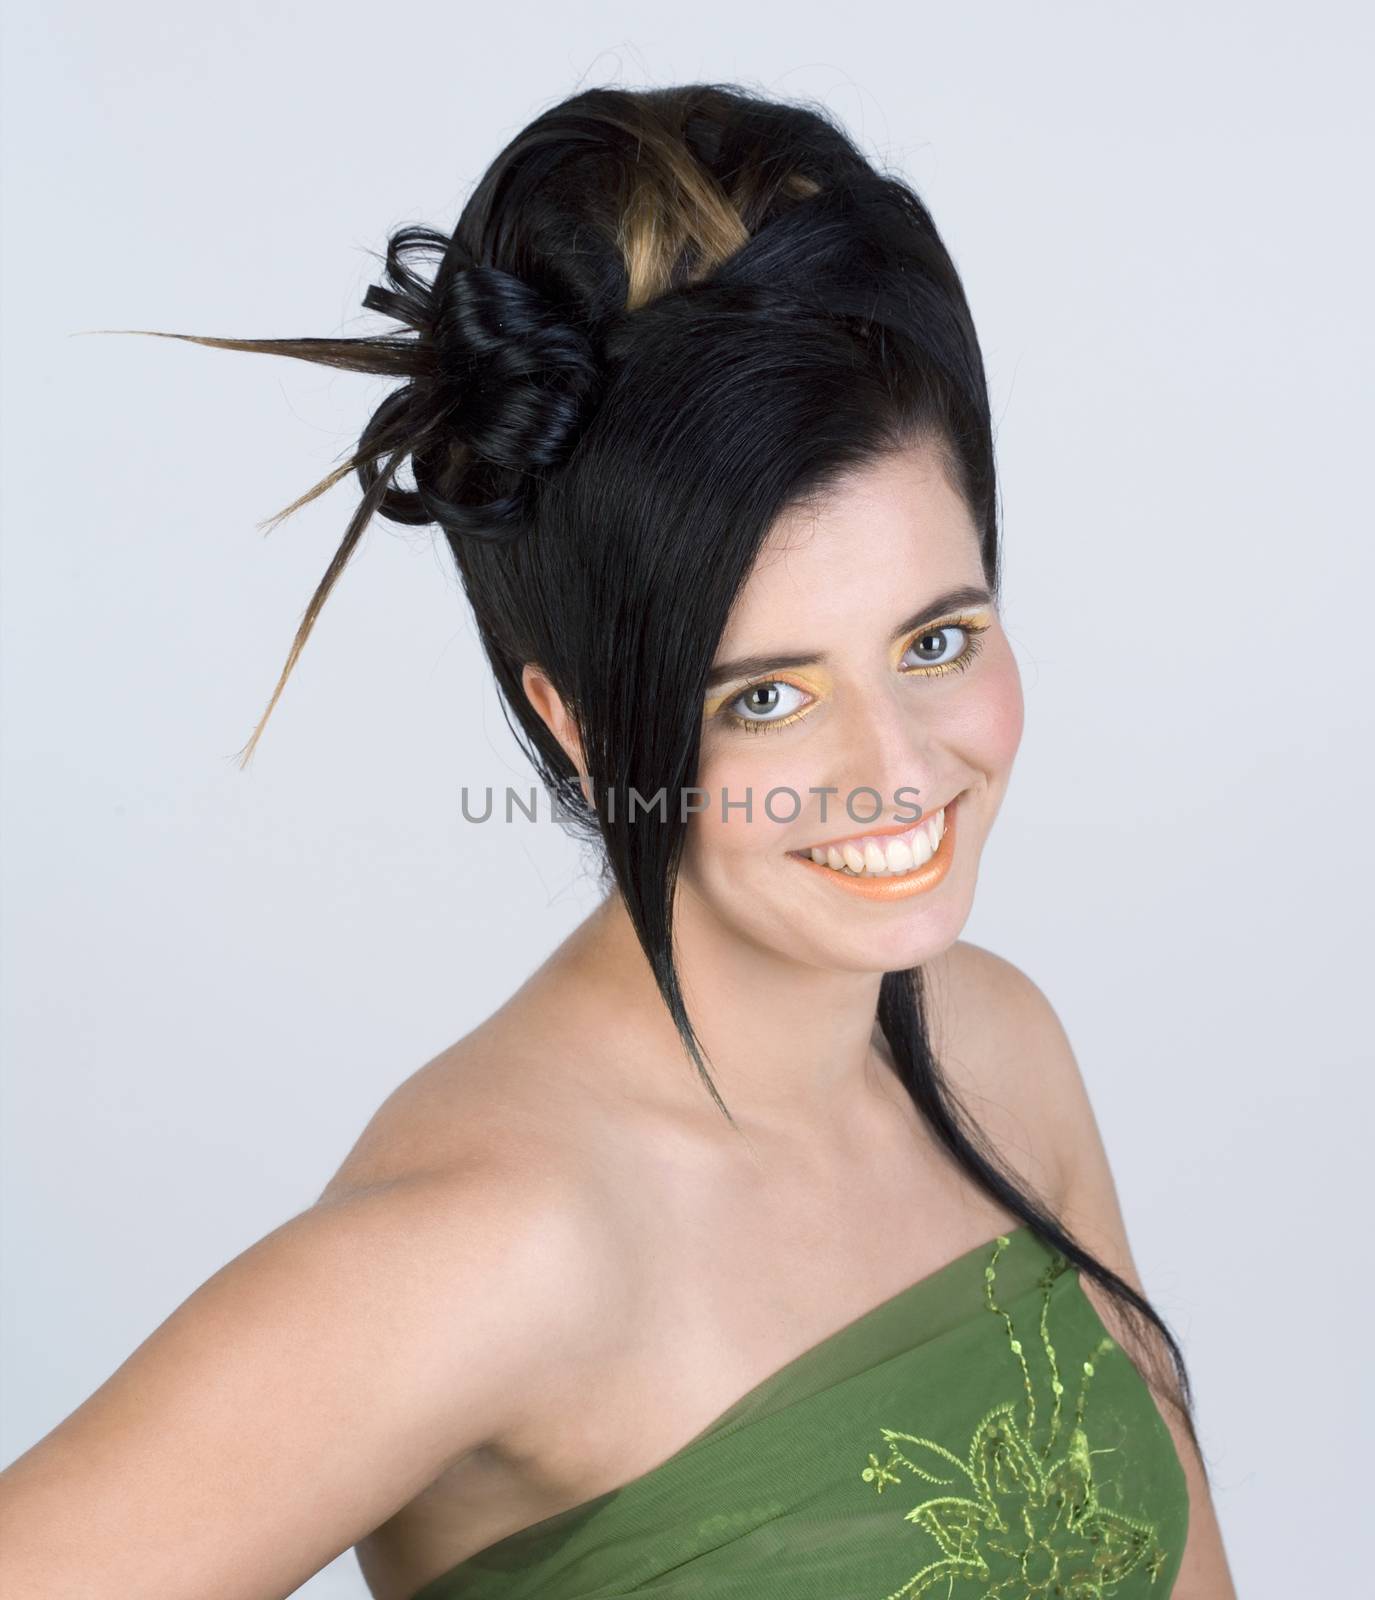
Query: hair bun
point(518, 377)
point(508, 388)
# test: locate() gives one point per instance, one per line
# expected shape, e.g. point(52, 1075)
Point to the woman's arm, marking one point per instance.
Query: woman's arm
point(301, 1395)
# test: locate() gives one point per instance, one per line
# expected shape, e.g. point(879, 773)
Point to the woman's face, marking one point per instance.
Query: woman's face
point(863, 654)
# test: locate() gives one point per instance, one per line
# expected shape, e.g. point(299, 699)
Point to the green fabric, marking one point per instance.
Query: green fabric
point(978, 1434)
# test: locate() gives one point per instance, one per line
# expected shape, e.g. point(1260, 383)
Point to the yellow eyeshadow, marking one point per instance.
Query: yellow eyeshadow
point(716, 702)
point(975, 621)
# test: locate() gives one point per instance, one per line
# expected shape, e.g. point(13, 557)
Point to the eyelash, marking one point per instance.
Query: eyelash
point(938, 669)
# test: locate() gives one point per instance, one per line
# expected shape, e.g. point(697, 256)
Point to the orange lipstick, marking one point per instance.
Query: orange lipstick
point(896, 886)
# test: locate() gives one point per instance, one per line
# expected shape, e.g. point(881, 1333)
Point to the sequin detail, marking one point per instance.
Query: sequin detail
point(1033, 1526)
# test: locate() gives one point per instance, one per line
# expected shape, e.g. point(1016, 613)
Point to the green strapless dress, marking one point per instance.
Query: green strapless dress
point(978, 1434)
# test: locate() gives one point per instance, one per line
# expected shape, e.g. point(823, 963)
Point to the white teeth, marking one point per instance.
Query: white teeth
point(900, 856)
point(874, 860)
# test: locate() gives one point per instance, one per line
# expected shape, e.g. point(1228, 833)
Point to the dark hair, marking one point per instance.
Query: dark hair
point(664, 317)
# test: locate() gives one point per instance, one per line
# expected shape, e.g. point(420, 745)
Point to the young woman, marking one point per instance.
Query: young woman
point(763, 1244)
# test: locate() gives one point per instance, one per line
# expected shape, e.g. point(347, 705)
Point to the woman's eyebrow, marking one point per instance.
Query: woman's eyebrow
point(747, 666)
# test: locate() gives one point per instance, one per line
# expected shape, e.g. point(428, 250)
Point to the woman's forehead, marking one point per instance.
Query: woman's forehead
point(893, 537)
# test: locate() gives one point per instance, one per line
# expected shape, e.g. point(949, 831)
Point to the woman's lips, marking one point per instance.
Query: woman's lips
point(896, 886)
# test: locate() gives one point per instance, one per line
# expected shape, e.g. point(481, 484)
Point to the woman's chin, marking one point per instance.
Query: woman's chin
point(923, 938)
point(885, 940)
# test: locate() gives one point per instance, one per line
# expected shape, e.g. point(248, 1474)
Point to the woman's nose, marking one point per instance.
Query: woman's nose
point(888, 747)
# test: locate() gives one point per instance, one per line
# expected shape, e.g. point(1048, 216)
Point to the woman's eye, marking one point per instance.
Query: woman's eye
point(951, 647)
point(940, 645)
point(764, 703)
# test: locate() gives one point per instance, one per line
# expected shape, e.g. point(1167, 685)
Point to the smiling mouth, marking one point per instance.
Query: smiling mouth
point(888, 866)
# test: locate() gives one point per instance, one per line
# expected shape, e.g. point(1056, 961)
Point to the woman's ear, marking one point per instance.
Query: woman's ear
point(548, 704)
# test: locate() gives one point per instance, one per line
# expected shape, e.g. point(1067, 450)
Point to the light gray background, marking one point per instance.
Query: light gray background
point(212, 977)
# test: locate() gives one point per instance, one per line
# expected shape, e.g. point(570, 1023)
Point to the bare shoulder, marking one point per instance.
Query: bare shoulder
point(432, 1121)
point(492, 1136)
point(1003, 1049)
point(496, 1131)
point(489, 1096)
point(1001, 1041)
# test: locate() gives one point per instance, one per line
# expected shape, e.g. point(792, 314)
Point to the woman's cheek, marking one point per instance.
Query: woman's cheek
point(997, 713)
point(742, 787)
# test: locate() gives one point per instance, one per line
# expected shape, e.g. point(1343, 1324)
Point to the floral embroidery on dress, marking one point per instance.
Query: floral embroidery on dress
point(1029, 1526)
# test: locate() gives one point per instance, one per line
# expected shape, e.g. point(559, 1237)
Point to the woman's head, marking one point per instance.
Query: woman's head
point(789, 382)
point(682, 343)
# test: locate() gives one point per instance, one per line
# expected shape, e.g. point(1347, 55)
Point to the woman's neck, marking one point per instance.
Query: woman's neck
point(788, 1046)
